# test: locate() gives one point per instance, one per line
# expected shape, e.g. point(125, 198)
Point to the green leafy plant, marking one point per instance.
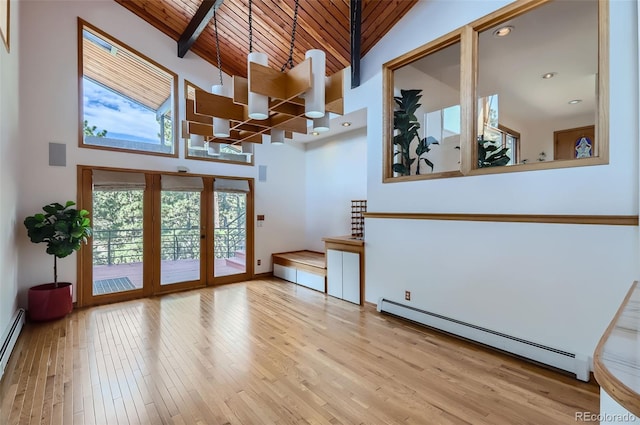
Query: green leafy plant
point(62, 228)
point(490, 154)
point(407, 126)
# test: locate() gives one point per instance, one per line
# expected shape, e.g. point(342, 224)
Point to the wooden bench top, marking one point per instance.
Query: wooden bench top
point(304, 258)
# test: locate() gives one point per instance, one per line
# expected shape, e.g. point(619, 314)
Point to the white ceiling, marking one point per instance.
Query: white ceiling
point(358, 119)
point(560, 37)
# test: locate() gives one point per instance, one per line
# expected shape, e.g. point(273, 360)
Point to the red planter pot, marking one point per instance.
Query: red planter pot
point(46, 302)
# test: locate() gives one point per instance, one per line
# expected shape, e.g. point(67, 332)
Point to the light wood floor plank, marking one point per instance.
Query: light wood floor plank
point(270, 352)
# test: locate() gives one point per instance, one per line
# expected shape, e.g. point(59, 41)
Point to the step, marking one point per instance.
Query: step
point(238, 263)
point(240, 254)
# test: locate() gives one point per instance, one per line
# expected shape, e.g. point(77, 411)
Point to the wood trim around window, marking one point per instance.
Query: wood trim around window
point(468, 37)
point(151, 268)
point(175, 113)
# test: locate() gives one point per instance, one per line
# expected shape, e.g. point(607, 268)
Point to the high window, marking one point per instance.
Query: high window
point(127, 101)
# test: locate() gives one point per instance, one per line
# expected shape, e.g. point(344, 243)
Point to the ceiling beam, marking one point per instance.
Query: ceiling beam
point(356, 38)
point(197, 24)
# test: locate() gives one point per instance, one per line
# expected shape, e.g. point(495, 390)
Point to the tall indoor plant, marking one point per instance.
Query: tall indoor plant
point(64, 229)
point(406, 126)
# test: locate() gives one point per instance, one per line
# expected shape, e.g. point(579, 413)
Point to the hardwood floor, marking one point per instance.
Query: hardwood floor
point(269, 352)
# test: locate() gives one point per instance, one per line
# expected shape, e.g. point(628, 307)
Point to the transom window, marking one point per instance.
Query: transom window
point(127, 101)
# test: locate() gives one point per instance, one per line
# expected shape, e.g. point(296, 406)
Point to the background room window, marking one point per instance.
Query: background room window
point(127, 101)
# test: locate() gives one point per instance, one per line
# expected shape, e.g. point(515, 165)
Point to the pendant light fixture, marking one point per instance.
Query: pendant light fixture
point(286, 100)
point(314, 98)
point(277, 136)
point(197, 142)
point(247, 149)
point(321, 125)
point(213, 149)
point(258, 104)
point(220, 125)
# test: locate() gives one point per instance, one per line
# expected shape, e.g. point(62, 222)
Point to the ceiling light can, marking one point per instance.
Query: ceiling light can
point(503, 31)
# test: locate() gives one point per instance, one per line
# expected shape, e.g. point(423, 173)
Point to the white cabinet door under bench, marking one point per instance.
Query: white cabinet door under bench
point(306, 268)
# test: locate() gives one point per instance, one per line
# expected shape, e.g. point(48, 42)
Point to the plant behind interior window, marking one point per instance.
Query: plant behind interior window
point(407, 126)
point(490, 154)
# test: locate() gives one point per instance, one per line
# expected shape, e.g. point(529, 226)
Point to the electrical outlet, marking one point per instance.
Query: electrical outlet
point(407, 295)
point(259, 262)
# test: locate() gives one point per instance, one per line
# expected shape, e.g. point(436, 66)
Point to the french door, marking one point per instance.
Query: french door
point(155, 233)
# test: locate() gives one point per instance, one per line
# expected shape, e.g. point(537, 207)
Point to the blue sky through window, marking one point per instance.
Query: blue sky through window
point(121, 117)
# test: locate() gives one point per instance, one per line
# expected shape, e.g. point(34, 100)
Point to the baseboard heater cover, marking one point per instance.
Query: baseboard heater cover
point(10, 339)
point(570, 362)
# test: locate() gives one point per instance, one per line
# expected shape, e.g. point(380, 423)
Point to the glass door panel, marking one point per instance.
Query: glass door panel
point(117, 241)
point(230, 233)
point(180, 237)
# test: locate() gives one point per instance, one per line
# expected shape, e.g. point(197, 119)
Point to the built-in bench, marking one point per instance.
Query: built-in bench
point(306, 268)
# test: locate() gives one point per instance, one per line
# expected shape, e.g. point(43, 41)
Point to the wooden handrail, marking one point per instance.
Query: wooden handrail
point(611, 382)
point(608, 220)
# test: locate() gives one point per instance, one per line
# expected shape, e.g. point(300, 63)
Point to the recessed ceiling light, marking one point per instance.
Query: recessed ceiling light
point(549, 75)
point(346, 124)
point(503, 31)
point(315, 133)
point(574, 101)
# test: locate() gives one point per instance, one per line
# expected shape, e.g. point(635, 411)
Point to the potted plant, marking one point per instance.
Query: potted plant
point(64, 229)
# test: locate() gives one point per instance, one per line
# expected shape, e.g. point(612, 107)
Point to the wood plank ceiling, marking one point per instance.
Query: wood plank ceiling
point(322, 24)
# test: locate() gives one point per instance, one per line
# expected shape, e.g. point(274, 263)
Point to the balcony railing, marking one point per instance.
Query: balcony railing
point(123, 246)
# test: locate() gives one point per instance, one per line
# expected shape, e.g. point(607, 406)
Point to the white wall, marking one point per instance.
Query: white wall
point(9, 173)
point(49, 112)
point(558, 285)
point(336, 173)
point(280, 200)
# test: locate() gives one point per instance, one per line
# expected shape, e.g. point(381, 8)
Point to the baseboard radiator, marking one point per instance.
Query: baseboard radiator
point(571, 362)
point(10, 339)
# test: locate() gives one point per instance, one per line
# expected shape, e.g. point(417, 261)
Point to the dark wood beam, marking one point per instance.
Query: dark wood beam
point(197, 24)
point(356, 38)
